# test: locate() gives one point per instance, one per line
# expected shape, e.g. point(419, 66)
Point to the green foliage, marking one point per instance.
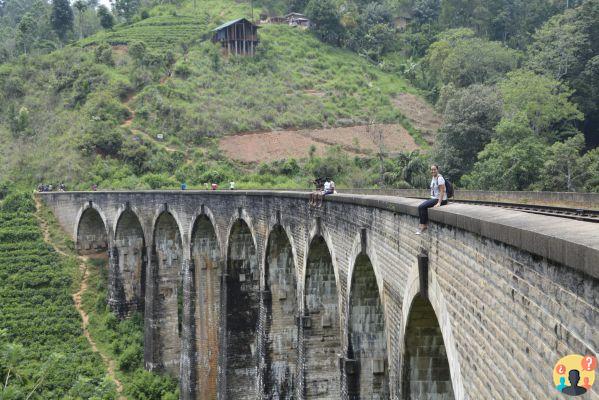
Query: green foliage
point(126, 8)
point(539, 101)
point(106, 18)
point(565, 169)
point(470, 118)
point(103, 55)
point(325, 19)
point(43, 354)
point(462, 59)
point(148, 386)
point(62, 18)
point(506, 166)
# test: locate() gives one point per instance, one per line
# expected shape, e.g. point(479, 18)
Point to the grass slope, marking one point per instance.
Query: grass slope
point(83, 116)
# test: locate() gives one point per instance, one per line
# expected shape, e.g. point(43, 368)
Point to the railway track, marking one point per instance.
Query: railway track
point(579, 214)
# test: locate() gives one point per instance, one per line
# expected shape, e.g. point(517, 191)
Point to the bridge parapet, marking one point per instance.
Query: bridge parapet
point(510, 292)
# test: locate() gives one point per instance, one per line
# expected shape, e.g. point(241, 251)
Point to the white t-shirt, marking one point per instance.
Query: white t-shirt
point(435, 183)
point(327, 186)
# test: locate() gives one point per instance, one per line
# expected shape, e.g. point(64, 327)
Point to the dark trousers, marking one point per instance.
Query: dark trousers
point(423, 209)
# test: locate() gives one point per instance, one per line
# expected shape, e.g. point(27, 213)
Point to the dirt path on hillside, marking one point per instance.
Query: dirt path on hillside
point(137, 132)
point(77, 296)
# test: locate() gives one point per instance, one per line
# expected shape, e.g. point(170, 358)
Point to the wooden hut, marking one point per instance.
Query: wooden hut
point(239, 36)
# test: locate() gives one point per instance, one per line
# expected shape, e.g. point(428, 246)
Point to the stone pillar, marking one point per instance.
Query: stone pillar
point(116, 291)
point(150, 328)
point(187, 376)
point(222, 358)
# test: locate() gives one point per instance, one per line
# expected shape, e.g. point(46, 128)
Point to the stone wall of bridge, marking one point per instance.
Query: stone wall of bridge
point(281, 300)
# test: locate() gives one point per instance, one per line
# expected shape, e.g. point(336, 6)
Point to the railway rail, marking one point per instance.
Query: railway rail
point(580, 214)
point(572, 212)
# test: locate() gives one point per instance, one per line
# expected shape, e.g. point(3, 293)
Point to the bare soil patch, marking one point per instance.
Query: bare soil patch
point(421, 115)
point(356, 140)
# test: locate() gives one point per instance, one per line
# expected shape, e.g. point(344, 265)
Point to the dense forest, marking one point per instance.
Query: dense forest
point(85, 90)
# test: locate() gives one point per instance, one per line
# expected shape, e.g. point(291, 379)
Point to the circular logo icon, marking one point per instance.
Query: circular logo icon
point(574, 374)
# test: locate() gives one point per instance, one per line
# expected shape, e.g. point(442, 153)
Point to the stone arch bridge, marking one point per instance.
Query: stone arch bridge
point(257, 295)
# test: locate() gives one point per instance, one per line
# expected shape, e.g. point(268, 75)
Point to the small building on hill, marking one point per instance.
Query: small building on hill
point(297, 19)
point(239, 36)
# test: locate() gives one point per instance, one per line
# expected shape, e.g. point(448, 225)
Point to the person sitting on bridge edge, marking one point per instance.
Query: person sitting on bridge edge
point(438, 198)
point(329, 186)
point(183, 185)
point(317, 194)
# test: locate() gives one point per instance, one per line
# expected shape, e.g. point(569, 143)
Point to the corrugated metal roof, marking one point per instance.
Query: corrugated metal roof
point(218, 28)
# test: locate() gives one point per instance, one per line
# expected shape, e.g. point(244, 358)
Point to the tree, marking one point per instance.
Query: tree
point(106, 18)
point(508, 166)
point(426, 11)
point(62, 18)
point(325, 20)
point(564, 167)
point(80, 6)
point(126, 8)
point(539, 101)
point(470, 118)
point(567, 48)
point(26, 31)
point(462, 59)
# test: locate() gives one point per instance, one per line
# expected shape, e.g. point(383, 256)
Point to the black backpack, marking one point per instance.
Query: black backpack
point(448, 188)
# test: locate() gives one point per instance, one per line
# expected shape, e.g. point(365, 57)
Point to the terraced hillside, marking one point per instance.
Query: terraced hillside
point(43, 353)
point(162, 31)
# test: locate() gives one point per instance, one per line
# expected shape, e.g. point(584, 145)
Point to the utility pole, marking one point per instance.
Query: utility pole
point(252, 10)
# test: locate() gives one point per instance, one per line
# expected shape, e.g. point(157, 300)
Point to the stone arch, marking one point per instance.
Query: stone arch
point(425, 366)
point(130, 262)
point(321, 323)
point(242, 310)
point(167, 263)
point(367, 372)
point(91, 231)
point(442, 318)
point(206, 262)
point(281, 306)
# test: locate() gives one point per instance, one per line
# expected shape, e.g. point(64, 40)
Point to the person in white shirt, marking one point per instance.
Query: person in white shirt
point(327, 187)
point(438, 198)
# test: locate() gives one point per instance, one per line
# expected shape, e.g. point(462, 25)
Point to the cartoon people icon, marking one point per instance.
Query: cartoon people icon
point(574, 389)
point(574, 374)
point(562, 384)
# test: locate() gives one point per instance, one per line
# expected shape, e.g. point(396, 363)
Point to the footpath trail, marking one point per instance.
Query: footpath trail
point(77, 296)
point(137, 132)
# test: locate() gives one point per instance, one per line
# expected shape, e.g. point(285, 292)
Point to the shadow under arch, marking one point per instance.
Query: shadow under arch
point(367, 343)
point(206, 262)
point(281, 329)
point(321, 330)
point(425, 370)
point(92, 232)
point(241, 311)
point(166, 303)
point(130, 261)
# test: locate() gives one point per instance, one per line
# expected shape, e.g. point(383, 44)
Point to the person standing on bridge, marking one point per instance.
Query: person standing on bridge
point(438, 198)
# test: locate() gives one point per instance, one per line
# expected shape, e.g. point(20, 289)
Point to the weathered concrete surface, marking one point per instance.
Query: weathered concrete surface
point(588, 201)
point(511, 293)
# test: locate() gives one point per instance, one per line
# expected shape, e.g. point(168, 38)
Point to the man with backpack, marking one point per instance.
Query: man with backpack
point(441, 189)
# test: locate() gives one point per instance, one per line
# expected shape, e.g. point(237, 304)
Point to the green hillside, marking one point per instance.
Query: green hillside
point(91, 112)
point(43, 353)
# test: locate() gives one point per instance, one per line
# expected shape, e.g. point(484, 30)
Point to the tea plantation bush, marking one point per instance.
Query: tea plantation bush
point(42, 350)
